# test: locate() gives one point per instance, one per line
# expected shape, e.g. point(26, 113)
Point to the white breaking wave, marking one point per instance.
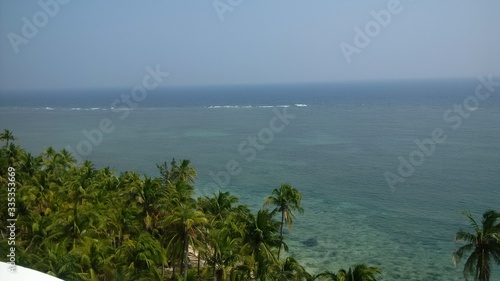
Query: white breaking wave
point(87, 109)
point(121, 108)
point(229, 106)
point(259, 106)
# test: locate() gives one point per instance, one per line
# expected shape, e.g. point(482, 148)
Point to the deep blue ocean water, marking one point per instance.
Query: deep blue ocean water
point(336, 146)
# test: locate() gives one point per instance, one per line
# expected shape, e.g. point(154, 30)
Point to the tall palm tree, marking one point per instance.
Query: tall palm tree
point(7, 136)
point(31, 164)
point(290, 269)
point(148, 194)
point(223, 248)
point(49, 158)
point(79, 189)
point(178, 179)
point(219, 206)
point(184, 172)
point(14, 155)
point(483, 244)
point(143, 255)
point(97, 259)
point(286, 199)
point(221, 242)
point(58, 262)
point(260, 242)
point(66, 159)
point(188, 225)
point(37, 195)
point(177, 172)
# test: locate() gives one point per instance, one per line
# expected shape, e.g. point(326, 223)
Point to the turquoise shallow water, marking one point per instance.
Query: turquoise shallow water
point(336, 153)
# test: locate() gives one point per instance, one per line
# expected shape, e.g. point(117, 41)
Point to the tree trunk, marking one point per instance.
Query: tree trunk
point(173, 268)
point(199, 275)
point(75, 221)
point(215, 264)
point(186, 252)
point(281, 232)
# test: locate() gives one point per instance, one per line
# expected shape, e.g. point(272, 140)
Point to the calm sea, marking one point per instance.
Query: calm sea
point(335, 143)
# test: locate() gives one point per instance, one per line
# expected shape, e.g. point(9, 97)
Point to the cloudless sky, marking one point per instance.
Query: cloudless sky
point(91, 43)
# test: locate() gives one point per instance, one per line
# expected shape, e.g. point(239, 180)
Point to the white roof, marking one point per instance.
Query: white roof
point(23, 274)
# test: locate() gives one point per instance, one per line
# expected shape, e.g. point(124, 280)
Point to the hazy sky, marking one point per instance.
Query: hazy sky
point(91, 43)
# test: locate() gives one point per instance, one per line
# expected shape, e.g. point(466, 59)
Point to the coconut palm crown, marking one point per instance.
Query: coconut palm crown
point(482, 246)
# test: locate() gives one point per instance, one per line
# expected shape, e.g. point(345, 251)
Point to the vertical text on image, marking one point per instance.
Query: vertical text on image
point(11, 220)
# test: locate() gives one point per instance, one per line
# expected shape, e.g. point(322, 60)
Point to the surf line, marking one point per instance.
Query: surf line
point(95, 137)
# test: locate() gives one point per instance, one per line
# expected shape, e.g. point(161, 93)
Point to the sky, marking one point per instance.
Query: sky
point(69, 44)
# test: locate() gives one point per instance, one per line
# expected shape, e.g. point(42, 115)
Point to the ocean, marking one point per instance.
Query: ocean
point(385, 168)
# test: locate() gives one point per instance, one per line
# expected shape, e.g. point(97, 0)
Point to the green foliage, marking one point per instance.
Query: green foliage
point(77, 222)
point(7, 136)
point(286, 200)
point(360, 272)
point(482, 246)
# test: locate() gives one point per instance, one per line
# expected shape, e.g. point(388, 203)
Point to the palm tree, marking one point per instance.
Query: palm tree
point(361, 272)
point(178, 179)
point(177, 172)
point(142, 256)
point(483, 245)
point(37, 197)
point(220, 239)
point(219, 206)
point(187, 224)
point(49, 157)
point(79, 189)
point(96, 258)
point(7, 136)
point(14, 155)
point(290, 269)
point(286, 199)
point(148, 194)
point(223, 249)
point(183, 172)
point(66, 160)
point(58, 262)
point(31, 164)
point(260, 241)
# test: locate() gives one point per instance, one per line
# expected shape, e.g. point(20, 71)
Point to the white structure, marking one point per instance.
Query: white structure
point(23, 274)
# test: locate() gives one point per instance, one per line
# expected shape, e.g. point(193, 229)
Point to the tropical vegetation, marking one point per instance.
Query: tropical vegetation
point(78, 222)
point(482, 246)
